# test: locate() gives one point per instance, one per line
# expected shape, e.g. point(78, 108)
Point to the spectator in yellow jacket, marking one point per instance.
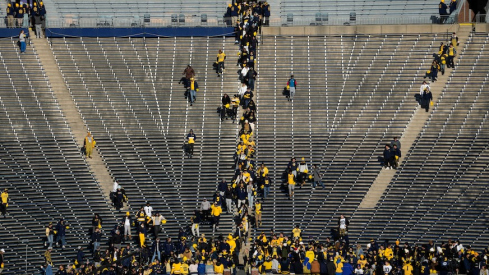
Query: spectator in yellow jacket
point(218, 268)
point(388, 252)
point(216, 211)
point(4, 204)
point(176, 268)
point(89, 144)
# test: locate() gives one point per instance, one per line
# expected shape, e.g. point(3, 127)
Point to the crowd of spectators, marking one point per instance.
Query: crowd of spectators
point(274, 253)
point(442, 10)
point(442, 59)
point(392, 154)
point(22, 15)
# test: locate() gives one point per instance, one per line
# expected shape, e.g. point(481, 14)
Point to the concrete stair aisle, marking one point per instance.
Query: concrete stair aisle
point(78, 127)
point(410, 133)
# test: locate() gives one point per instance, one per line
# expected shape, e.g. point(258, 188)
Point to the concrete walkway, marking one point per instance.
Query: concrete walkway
point(412, 131)
point(68, 107)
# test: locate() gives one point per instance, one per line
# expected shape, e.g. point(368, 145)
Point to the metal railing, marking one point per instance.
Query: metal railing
point(353, 19)
point(136, 22)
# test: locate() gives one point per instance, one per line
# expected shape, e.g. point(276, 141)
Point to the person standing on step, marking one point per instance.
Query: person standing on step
point(317, 177)
point(191, 142)
point(96, 222)
point(216, 211)
point(395, 141)
point(221, 56)
point(291, 85)
point(47, 256)
point(442, 10)
point(222, 187)
point(188, 73)
point(205, 209)
point(37, 21)
point(49, 235)
point(302, 172)
point(226, 106)
point(423, 87)
point(195, 219)
point(127, 222)
point(96, 239)
point(61, 233)
point(452, 52)
point(228, 194)
point(148, 210)
point(454, 38)
point(10, 15)
point(291, 183)
point(19, 15)
point(27, 10)
point(396, 153)
point(158, 220)
point(453, 6)
point(194, 88)
point(293, 165)
point(267, 183)
point(4, 202)
point(426, 99)
point(258, 210)
point(89, 144)
point(22, 44)
point(343, 224)
point(388, 157)
point(119, 198)
point(42, 11)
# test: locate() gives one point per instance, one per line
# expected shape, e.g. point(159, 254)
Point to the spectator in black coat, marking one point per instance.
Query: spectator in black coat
point(388, 157)
point(396, 154)
point(426, 100)
point(96, 239)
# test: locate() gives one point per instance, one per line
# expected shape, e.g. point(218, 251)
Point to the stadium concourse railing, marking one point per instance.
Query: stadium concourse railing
point(203, 21)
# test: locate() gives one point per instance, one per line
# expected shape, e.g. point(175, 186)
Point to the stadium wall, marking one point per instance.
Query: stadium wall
point(11, 32)
point(139, 32)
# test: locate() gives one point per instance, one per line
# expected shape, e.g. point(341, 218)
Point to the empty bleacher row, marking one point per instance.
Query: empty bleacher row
point(133, 12)
point(128, 94)
point(354, 94)
point(41, 166)
point(440, 191)
point(392, 11)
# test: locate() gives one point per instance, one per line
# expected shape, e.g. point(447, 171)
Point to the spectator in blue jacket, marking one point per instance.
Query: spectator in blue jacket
point(388, 157)
point(96, 239)
point(223, 186)
point(201, 267)
point(61, 233)
point(47, 269)
point(80, 256)
point(157, 248)
point(42, 12)
point(266, 13)
point(19, 15)
point(348, 268)
point(168, 248)
point(234, 14)
point(242, 195)
point(453, 6)
point(442, 10)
